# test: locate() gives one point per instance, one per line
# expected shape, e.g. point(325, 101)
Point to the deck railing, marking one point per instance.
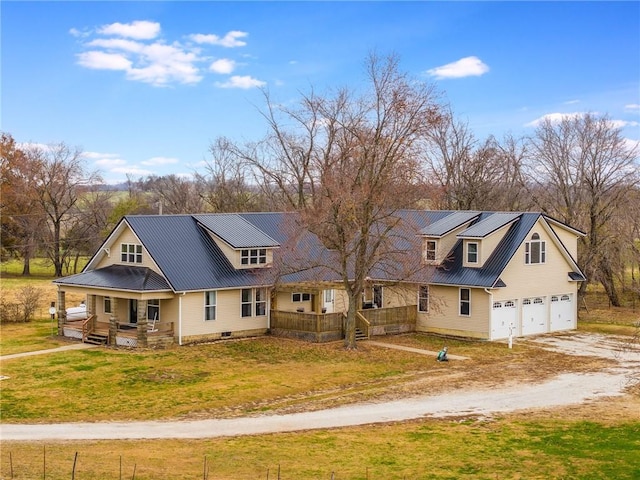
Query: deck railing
point(88, 326)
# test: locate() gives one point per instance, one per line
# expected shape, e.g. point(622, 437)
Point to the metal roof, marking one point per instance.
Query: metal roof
point(488, 224)
point(450, 222)
point(188, 257)
point(120, 277)
point(235, 230)
point(452, 272)
point(186, 254)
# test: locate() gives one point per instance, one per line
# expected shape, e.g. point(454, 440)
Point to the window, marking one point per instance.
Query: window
point(423, 298)
point(254, 302)
point(210, 299)
point(472, 252)
point(465, 302)
point(153, 309)
point(300, 297)
point(131, 253)
point(253, 256)
point(261, 302)
point(430, 250)
point(107, 304)
point(535, 250)
point(246, 302)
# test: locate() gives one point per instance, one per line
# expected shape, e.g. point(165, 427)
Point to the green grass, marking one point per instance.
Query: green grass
point(38, 267)
point(505, 448)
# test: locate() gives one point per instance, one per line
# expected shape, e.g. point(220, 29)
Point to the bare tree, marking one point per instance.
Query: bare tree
point(347, 163)
point(58, 181)
point(581, 170)
point(22, 215)
point(175, 194)
point(473, 175)
point(224, 187)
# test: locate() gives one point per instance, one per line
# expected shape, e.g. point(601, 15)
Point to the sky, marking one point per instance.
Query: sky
point(144, 88)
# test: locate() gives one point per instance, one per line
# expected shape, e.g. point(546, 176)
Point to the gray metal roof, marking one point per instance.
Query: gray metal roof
point(450, 222)
point(236, 231)
point(487, 225)
point(118, 277)
point(189, 259)
point(452, 272)
point(186, 254)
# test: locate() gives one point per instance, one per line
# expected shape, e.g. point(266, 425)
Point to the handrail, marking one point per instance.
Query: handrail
point(366, 322)
point(86, 330)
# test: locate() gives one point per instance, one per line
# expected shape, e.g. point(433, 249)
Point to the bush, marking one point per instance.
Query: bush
point(24, 309)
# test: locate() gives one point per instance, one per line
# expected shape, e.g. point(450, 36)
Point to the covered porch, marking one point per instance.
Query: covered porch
point(317, 313)
point(125, 306)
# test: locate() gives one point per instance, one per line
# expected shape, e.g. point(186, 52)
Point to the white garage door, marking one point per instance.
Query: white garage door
point(534, 316)
point(562, 313)
point(503, 316)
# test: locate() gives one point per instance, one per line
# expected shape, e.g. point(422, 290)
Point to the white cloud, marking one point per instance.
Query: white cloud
point(136, 49)
point(571, 102)
point(465, 67)
point(230, 40)
point(117, 44)
point(553, 118)
point(244, 82)
point(103, 61)
point(632, 144)
point(160, 161)
point(558, 117)
point(109, 163)
point(632, 106)
point(223, 66)
point(140, 30)
point(623, 123)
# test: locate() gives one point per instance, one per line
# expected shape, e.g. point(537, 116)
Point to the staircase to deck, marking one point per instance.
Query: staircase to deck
point(360, 335)
point(97, 338)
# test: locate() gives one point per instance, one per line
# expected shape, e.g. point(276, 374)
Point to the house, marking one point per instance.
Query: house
point(161, 279)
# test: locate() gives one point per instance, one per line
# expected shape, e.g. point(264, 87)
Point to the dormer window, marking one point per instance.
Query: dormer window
point(131, 253)
point(535, 250)
point(254, 256)
point(472, 252)
point(430, 247)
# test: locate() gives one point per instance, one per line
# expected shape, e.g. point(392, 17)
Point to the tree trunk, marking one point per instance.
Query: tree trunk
point(350, 325)
point(608, 282)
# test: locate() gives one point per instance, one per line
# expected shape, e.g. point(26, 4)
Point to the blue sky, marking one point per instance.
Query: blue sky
point(145, 87)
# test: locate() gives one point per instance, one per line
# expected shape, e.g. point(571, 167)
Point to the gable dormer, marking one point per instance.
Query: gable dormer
point(440, 236)
point(244, 245)
point(480, 240)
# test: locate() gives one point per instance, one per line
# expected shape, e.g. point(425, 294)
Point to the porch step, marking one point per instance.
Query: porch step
point(360, 335)
point(97, 338)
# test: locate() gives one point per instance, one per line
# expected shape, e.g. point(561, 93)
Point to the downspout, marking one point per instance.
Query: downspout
point(490, 309)
point(180, 318)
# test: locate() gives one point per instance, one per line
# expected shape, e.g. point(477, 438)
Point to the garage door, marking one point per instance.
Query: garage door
point(503, 315)
point(562, 313)
point(534, 316)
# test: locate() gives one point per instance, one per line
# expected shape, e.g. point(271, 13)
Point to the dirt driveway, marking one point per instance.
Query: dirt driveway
point(561, 390)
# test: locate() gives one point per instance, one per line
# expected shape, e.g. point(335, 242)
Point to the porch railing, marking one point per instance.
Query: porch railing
point(363, 324)
point(88, 326)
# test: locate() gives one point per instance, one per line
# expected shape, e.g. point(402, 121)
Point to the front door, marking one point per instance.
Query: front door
point(133, 311)
point(377, 296)
point(329, 300)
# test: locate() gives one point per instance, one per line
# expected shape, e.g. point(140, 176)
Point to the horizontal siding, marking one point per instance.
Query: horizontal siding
point(443, 316)
point(228, 315)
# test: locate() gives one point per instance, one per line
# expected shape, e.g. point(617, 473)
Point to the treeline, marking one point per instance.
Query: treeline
point(579, 169)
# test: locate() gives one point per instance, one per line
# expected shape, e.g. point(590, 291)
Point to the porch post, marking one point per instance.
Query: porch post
point(142, 323)
point(91, 305)
point(62, 311)
point(113, 322)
